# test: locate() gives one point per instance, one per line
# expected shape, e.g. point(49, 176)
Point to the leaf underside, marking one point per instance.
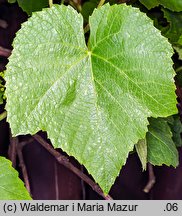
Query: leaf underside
point(11, 187)
point(92, 101)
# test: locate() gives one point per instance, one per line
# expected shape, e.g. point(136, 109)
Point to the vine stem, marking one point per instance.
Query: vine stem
point(3, 24)
point(101, 3)
point(12, 151)
point(19, 148)
point(65, 162)
point(5, 52)
point(151, 180)
point(50, 3)
point(76, 5)
point(3, 115)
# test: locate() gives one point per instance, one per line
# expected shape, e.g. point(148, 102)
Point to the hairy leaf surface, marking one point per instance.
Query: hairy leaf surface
point(11, 187)
point(161, 148)
point(93, 102)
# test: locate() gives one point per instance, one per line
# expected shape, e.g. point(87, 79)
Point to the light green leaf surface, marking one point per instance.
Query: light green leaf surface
point(141, 148)
point(11, 187)
point(93, 102)
point(174, 5)
point(161, 148)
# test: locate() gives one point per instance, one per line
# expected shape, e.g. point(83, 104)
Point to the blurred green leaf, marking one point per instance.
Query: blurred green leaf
point(30, 6)
point(88, 8)
point(178, 48)
point(174, 30)
point(161, 148)
point(176, 129)
point(173, 5)
point(11, 186)
point(11, 1)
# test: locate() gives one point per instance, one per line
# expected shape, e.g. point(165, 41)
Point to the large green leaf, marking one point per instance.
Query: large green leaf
point(161, 148)
point(30, 6)
point(93, 102)
point(174, 5)
point(11, 187)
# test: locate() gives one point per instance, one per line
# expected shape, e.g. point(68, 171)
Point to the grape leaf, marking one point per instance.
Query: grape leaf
point(30, 6)
point(93, 102)
point(161, 148)
point(174, 5)
point(174, 30)
point(11, 187)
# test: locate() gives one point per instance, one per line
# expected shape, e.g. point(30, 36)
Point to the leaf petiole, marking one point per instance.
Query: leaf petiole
point(3, 115)
point(50, 3)
point(101, 3)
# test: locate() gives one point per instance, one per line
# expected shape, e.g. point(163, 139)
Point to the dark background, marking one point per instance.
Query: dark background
point(49, 180)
